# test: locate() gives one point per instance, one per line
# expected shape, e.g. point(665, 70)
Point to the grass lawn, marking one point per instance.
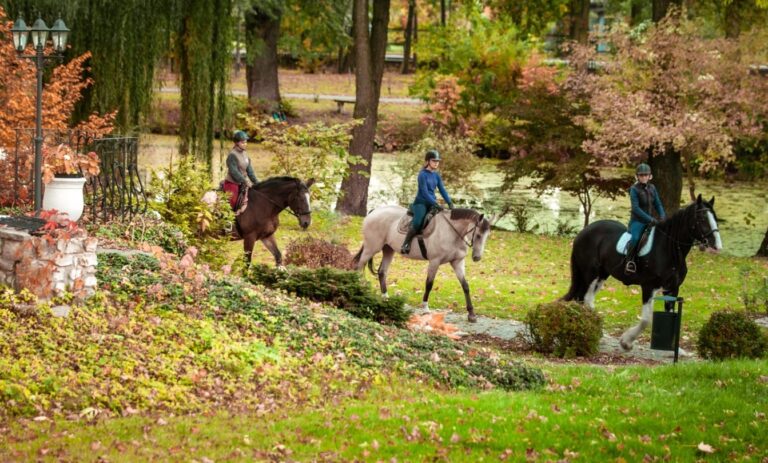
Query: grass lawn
point(688, 412)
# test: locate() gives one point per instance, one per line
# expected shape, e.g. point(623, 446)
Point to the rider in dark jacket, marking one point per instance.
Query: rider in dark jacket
point(240, 173)
point(429, 180)
point(643, 197)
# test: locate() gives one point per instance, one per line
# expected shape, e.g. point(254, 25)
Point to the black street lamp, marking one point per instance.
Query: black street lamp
point(39, 33)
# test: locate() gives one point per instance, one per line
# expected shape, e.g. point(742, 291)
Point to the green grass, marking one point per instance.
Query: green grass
point(586, 414)
point(519, 271)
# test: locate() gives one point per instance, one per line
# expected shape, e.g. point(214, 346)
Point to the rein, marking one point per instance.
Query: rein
point(462, 237)
point(281, 207)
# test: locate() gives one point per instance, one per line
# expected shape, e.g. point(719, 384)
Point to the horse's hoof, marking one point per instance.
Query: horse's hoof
point(472, 318)
point(384, 296)
point(627, 346)
point(425, 306)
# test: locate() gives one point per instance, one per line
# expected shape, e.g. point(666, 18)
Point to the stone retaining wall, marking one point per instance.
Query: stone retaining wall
point(47, 265)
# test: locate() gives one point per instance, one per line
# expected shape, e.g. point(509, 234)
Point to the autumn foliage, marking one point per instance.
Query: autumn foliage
point(17, 112)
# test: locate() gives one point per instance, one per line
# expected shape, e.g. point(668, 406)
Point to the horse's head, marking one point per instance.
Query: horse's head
point(705, 228)
point(480, 236)
point(298, 202)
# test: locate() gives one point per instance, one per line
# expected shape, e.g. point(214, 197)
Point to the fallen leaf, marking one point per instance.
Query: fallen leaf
point(705, 448)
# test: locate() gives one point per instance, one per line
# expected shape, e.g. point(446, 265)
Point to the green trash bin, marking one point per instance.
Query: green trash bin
point(665, 331)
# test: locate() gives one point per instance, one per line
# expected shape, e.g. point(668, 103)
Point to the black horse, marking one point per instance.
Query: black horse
point(594, 258)
point(266, 200)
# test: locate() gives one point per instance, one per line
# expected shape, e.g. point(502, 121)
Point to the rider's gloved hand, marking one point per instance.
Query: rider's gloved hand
point(450, 205)
point(652, 223)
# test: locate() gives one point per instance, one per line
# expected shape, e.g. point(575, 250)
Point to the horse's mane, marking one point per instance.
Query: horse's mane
point(275, 181)
point(464, 214)
point(678, 228)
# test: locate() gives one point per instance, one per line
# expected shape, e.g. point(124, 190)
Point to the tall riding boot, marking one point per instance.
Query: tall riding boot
point(406, 249)
point(630, 266)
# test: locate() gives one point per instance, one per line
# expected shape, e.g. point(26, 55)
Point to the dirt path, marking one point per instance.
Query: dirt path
point(508, 330)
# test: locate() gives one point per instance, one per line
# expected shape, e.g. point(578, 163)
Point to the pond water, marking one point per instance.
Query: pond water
point(741, 207)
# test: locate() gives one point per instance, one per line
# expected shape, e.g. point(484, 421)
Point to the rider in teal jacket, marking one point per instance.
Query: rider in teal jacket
point(643, 197)
point(429, 180)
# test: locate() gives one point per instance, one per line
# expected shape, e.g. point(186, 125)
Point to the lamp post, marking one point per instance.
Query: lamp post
point(39, 33)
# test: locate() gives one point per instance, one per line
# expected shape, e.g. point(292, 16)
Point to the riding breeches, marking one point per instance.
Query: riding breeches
point(419, 213)
point(636, 230)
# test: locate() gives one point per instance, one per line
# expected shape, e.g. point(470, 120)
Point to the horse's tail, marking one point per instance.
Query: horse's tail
point(356, 260)
point(575, 292)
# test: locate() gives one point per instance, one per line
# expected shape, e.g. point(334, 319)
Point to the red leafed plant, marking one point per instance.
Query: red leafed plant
point(63, 160)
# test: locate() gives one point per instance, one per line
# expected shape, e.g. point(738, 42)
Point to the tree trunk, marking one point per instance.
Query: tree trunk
point(578, 18)
point(763, 251)
point(405, 69)
point(369, 69)
point(659, 8)
point(733, 17)
point(667, 171)
point(262, 30)
point(635, 9)
point(442, 13)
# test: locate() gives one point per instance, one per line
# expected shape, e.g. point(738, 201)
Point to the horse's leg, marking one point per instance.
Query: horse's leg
point(387, 254)
point(248, 242)
point(458, 268)
point(431, 272)
point(629, 336)
point(592, 289)
point(271, 244)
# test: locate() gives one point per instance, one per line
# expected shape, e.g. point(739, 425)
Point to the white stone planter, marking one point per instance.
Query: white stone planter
point(65, 194)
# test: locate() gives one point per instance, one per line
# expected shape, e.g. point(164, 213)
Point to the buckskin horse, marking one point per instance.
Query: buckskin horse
point(594, 258)
point(447, 238)
point(266, 200)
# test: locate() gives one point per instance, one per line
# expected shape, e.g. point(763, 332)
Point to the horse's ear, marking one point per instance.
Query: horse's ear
point(310, 182)
point(698, 199)
point(712, 201)
point(481, 218)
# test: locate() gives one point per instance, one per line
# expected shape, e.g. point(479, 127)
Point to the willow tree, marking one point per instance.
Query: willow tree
point(127, 39)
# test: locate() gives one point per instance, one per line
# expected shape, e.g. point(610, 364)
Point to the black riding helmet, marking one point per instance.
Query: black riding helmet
point(432, 154)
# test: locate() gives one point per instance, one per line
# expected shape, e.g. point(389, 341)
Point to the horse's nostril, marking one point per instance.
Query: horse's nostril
point(476, 258)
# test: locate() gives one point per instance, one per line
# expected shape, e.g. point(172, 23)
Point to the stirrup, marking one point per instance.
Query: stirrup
point(630, 267)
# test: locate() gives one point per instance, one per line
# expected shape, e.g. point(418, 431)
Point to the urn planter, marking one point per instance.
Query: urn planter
point(65, 194)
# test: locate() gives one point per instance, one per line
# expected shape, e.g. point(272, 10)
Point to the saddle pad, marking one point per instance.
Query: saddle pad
point(621, 245)
point(405, 224)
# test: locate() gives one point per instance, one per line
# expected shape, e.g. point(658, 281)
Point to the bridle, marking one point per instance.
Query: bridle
point(463, 237)
point(283, 207)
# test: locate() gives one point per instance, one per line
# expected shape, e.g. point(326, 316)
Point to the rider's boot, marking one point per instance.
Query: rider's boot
point(406, 249)
point(630, 266)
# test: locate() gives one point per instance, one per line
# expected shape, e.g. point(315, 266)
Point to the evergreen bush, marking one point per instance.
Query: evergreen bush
point(344, 289)
point(730, 334)
point(564, 329)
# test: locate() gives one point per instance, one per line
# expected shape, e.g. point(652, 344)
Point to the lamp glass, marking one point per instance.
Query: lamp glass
point(59, 34)
point(20, 33)
point(39, 33)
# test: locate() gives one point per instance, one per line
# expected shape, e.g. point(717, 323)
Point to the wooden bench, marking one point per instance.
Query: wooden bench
point(340, 102)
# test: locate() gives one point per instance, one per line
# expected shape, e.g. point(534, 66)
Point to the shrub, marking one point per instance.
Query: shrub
point(343, 289)
point(142, 229)
point(730, 334)
point(565, 329)
point(315, 253)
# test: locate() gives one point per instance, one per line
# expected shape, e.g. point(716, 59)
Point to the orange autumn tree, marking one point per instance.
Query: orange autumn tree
point(17, 111)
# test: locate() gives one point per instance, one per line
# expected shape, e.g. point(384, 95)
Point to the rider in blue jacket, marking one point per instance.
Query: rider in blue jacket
point(429, 180)
point(643, 196)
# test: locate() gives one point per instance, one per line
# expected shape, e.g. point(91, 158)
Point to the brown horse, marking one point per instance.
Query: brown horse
point(266, 200)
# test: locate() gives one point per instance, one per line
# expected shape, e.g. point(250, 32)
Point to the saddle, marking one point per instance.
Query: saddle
point(426, 230)
point(645, 244)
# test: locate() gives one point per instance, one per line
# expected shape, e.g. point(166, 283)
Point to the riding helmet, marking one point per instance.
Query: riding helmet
point(239, 136)
point(643, 169)
point(432, 154)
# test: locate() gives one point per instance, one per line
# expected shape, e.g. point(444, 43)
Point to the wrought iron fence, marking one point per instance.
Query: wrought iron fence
point(116, 193)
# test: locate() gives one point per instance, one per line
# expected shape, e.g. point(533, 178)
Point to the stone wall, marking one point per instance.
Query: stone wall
point(50, 264)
